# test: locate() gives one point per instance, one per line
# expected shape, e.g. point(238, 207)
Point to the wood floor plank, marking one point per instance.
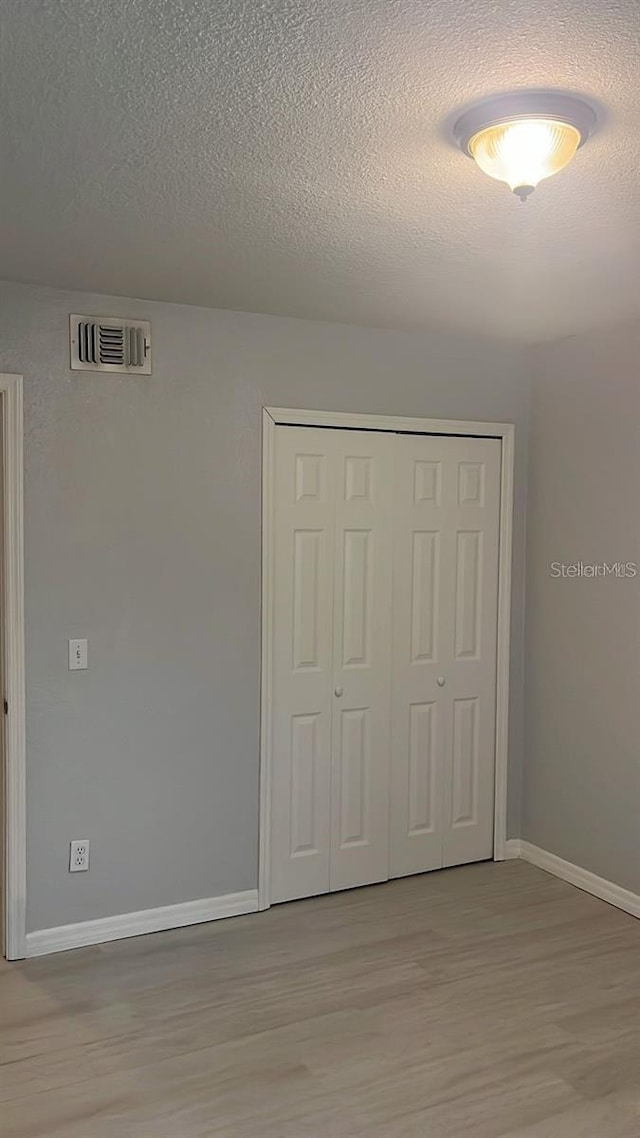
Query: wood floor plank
point(490, 1001)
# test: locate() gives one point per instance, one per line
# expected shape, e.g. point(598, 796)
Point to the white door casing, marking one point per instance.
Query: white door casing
point(305, 479)
point(15, 836)
point(447, 498)
point(504, 434)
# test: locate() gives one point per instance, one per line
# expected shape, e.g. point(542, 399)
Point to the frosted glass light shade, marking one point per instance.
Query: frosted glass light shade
point(521, 137)
point(523, 152)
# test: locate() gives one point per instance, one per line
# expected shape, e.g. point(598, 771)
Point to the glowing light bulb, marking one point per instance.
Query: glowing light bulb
point(524, 151)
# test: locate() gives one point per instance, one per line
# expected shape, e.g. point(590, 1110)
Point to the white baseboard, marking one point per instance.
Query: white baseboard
point(574, 874)
point(124, 925)
point(146, 921)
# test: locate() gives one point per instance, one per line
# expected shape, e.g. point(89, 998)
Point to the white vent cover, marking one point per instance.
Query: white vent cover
point(102, 343)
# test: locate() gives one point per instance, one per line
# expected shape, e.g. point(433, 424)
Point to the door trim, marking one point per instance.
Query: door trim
point(286, 416)
point(15, 843)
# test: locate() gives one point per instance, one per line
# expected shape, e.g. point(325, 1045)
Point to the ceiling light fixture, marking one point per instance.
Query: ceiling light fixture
point(526, 136)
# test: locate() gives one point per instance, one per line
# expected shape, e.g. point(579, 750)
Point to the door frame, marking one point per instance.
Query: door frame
point(14, 822)
point(287, 416)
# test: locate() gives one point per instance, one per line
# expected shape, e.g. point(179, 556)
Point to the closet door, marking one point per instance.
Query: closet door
point(447, 502)
point(361, 659)
point(302, 696)
point(331, 698)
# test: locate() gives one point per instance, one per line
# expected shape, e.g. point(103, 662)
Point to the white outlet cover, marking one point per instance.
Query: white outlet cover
point(79, 851)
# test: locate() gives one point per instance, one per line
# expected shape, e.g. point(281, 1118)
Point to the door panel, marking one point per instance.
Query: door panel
point(308, 556)
point(302, 661)
point(422, 590)
point(425, 572)
point(304, 776)
point(362, 660)
point(355, 765)
point(471, 681)
point(446, 510)
point(468, 594)
point(464, 790)
point(423, 759)
point(332, 616)
point(357, 584)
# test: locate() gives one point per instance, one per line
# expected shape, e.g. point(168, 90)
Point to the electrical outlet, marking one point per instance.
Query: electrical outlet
point(78, 855)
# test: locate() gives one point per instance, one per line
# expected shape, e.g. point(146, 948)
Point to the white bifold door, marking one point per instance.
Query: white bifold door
point(332, 619)
point(445, 616)
point(384, 615)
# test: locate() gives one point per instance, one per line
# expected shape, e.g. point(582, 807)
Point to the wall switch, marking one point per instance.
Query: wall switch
point(79, 855)
point(78, 655)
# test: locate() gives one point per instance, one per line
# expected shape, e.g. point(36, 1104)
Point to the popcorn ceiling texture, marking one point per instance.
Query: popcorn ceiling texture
point(289, 156)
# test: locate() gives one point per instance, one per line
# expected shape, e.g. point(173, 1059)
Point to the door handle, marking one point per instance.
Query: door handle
point(441, 681)
point(338, 692)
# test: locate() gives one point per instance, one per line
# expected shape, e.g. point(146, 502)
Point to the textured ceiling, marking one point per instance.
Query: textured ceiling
point(289, 156)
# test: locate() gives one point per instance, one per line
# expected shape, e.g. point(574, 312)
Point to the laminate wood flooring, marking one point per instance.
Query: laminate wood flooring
point(489, 1001)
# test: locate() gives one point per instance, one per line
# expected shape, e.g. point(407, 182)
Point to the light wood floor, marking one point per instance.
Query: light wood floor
point(485, 1001)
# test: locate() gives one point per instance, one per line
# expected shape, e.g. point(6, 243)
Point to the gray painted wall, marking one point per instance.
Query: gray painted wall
point(143, 534)
point(582, 768)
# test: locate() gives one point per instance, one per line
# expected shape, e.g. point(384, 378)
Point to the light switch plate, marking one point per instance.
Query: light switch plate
point(78, 655)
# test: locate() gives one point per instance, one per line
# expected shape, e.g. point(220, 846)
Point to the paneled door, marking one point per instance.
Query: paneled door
point(385, 598)
point(333, 495)
point(362, 623)
point(445, 594)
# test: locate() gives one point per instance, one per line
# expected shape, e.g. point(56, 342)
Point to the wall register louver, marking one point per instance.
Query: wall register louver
point(102, 343)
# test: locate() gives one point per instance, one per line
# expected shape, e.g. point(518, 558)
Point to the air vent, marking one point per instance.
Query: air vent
point(101, 343)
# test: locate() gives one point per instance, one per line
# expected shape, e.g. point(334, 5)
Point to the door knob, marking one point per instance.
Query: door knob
point(441, 681)
point(338, 692)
